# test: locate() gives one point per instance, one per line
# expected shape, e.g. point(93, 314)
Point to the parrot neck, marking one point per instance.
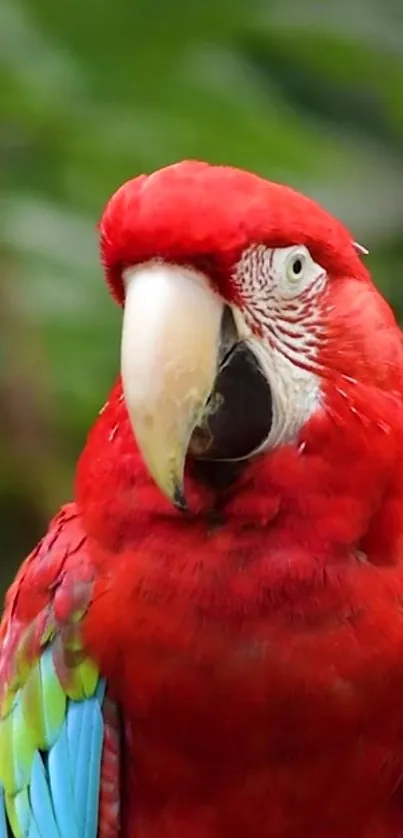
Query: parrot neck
point(335, 492)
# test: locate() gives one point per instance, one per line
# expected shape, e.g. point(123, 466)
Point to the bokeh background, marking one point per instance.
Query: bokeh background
point(96, 91)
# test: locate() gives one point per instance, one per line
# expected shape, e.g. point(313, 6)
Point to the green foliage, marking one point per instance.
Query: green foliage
point(96, 92)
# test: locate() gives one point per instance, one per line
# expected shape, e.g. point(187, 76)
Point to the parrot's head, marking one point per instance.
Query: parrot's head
point(250, 322)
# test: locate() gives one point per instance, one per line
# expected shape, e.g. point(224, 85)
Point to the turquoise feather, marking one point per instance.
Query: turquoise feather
point(41, 811)
point(53, 791)
point(3, 825)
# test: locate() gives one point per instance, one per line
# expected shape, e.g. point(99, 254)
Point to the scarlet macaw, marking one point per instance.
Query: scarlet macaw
point(208, 642)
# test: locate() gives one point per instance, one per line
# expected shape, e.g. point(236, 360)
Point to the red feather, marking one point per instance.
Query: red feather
point(255, 647)
point(207, 215)
point(269, 638)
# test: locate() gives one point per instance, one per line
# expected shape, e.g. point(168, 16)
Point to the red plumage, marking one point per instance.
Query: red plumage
point(255, 647)
point(207, 215)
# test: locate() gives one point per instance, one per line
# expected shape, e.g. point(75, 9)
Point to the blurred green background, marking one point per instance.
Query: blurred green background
point(95, 92)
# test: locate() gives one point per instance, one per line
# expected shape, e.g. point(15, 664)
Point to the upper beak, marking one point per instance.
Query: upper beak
point(169, 356)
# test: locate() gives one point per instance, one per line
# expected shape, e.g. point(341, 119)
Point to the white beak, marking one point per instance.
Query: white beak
point(170, 342)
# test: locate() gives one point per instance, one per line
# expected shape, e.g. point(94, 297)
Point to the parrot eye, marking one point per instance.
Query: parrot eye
point(296, 266)
point(292, 270)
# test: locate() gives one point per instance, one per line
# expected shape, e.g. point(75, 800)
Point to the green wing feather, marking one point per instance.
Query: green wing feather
point(44, 674)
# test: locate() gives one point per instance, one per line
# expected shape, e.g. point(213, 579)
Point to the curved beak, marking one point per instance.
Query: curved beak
point(169, 356)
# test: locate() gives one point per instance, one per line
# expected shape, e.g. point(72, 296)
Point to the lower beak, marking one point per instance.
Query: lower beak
point(170, 342)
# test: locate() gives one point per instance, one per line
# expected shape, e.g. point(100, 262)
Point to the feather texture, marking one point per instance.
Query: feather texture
point(52, 726)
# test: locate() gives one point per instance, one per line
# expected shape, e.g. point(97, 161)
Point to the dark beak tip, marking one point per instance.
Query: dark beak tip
point(179, 499)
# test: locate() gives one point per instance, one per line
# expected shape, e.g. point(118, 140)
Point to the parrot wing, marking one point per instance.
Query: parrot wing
point(59, 732)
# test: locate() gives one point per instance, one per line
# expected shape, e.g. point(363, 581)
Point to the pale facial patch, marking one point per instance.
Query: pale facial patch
point(280, 319)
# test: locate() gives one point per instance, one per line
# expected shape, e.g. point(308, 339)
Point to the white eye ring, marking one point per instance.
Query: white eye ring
point(295, 267)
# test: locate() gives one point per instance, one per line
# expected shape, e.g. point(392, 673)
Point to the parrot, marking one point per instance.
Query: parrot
point(208, 640)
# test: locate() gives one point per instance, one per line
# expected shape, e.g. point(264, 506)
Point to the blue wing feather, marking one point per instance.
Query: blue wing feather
point(3, 824)
point(62, 796)
point(61, 782)
point(57, 724)
point(33, 831)
point(93, 778)
point(41, 808)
